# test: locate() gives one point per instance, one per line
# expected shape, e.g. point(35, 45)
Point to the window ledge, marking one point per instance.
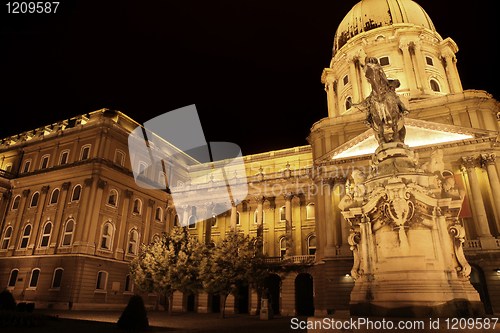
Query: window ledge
point(31, 288)
point(54, 289)
point(128, 293)
point(100, 291)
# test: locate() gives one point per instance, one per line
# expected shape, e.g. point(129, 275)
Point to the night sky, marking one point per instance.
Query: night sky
point(252, 68)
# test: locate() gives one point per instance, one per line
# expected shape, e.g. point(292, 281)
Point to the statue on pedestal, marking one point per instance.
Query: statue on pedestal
point(384, 109)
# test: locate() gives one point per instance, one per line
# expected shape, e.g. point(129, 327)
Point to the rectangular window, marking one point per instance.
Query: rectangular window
point(384, 61)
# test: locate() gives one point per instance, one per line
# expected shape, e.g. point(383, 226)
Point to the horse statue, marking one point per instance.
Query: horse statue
point(385, 111)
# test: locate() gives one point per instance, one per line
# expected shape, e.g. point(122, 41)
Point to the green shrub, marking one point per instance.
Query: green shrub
point(7, 302)
point(134, 317)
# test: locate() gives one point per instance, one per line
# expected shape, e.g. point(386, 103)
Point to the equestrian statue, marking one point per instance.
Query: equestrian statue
point(384, 109)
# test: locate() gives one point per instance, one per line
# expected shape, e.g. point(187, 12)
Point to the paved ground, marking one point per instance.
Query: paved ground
point(105, 321)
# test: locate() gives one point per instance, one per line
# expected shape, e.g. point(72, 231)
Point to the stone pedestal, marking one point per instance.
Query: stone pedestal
point(266, 310)
point(407, 241)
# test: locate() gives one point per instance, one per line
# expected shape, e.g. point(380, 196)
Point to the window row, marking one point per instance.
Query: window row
point(118, 159)
point(310, 214)
point(35, 276)
point(101, 280)
point(46, 233)
point(311, 245)
point(54, 197)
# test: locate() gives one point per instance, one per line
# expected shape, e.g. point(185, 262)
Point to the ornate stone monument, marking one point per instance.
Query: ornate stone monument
point(405, 233)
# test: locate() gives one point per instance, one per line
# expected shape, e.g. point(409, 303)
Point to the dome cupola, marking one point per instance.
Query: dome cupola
point(370, 14)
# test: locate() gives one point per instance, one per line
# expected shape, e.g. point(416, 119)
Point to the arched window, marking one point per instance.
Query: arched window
point(137, 206)
point(192, 222)
point(348, 103)
point(282, 242)
point(142, 167)
point(47, 229)
point(8, 167)
point(176, 220)
point(64, 157)
point(129, 286)
point(13, 278)
point(282, 214)
point(113, 198)
point(44, 162)
point(77, 190)
point(6, 238)
point(237, 218)
point(85, 153)
point(54, 197)
point(119, 157)
point(57, 278)
point(158, 214)
point(34, 199)
point(25, 237)
point(435, 86)
point(68, 233)
point(311, 245)
point(310, 211)
point(107, 236)
point(35, 274)
point(27, 165)
point(102, 280)
point(15, 203)
point(133, 240)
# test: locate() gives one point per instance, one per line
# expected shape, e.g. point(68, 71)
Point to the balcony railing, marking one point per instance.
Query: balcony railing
point(303, 259)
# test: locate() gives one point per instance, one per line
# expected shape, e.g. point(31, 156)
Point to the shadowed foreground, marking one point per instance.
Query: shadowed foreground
point(105, 321)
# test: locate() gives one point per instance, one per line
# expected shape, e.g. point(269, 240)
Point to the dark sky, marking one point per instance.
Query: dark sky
point(252, 68)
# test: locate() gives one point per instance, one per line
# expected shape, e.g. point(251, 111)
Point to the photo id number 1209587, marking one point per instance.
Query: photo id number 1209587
point(39, 7)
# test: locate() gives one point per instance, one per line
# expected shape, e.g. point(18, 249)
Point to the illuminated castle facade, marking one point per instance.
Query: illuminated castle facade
point(72, 215)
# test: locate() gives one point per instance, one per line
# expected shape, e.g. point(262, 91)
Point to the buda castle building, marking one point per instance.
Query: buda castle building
point(72, 215)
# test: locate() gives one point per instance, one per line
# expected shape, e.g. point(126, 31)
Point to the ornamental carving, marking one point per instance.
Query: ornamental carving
point(45, 189)
point(458, 234)
point(101, 183)
point(66, 185)
point(468, 162)
point(26, 193)
point(128, 194)
point(487, 159)
point(88, 182)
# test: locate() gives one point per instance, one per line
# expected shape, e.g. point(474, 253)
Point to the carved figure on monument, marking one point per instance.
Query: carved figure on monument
point(384, 109)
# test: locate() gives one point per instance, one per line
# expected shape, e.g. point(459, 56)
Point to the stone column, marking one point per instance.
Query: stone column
point(408, 66)
point(94, 221)
point(451, 70)
point(122, 239)
point(18, 226)
point(147, 221)
point(260, 223)
point(480, 218)
point(84, 214)
point(344, 227)
point(288, 224)
point(185, 215)
point(353, 79)
point(208, 222)
point(420, 70)
point(233, 216)
point(326, 188)
point(58, 223)
point(38, 217)
point(488, 161)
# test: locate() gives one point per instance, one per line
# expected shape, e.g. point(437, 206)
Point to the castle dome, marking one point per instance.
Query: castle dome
point(371, 14)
